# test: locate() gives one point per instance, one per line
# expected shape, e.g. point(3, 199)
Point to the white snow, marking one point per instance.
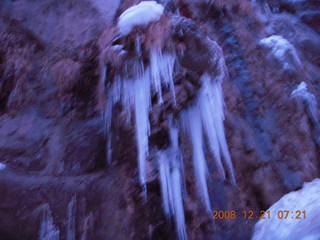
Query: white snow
point(141, 14)
point(2, 166)
point(307, 199)
point(302, 92)
point(280, 48)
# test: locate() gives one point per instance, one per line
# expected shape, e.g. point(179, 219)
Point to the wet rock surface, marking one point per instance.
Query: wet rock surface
point(51, 115)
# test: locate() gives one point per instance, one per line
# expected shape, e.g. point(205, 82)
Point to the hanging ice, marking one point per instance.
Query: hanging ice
point(166, 184)
point(139, 15)
point(192, 120)
point(48, 231)
point(112, 98)
point(170, 172)
point(206, 114)
point(302, 92)
point(71, 227)
point(141, 107)
point(161, 68)
point(85, 226)
point(307, 202)
point(135, 93)
point(178, 202)
point(211, 104)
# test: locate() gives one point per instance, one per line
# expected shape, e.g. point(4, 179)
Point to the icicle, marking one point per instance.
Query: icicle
point(161, 67)
point(207, 115)
point(192, 120)
point(135, 93)
point(210, 103)
point(178, 203)
point(86, 226)
point(71, 227)
point(48, 231)
point(138, 46)
point(166, 185)
point(141, 107)
point(171, 183)
point(155, 61)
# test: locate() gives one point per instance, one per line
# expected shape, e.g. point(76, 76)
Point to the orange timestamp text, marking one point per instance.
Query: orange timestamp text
point(252, 215)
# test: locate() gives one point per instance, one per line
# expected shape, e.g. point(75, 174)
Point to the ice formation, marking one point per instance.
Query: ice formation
point(71, 225)
point(206, 117)
point(135, 93)
point(302, 92)
point(307, 199)
point(192, 119)
point(2, 166)
point(142, 104)
point(139, 15)
point(170, 173)
point(211, 104)
point(280, 48)
point(161, 67)
point(202, 121)
point(48, 231)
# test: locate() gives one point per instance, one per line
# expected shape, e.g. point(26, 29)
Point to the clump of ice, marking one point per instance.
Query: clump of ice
point(135, 94)
point(302, 92)
point(2, 166)
point(280, 48)
point(307, 199)
point(139, 15)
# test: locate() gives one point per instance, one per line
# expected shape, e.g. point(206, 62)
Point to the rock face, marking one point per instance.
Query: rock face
point(58, 62)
